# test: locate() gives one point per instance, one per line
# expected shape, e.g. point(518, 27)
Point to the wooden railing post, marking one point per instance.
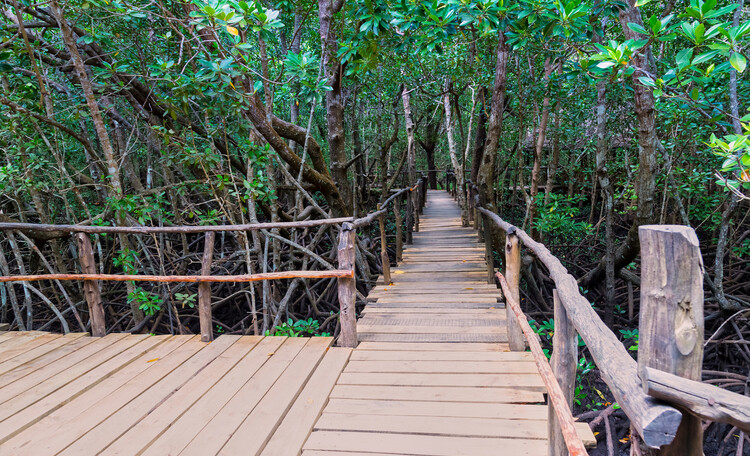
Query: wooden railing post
point(399, 229)
point(513, 275)
point(347, 287)
point(384, 259)
point(564, 363)
point(488, 257)
point(409, 216)
point(671, 317)
point(204, 290)
point(417, 205)
point(91, 287)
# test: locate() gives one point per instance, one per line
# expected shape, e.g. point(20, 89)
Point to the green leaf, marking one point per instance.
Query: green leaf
point(637, 28)
point(641, 3)
point(738, 61)
point(647, 81)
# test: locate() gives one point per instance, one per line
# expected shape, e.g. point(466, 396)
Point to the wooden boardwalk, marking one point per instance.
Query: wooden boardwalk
point(432, 377)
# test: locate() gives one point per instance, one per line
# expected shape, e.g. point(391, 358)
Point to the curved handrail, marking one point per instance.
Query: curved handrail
point(656, 422)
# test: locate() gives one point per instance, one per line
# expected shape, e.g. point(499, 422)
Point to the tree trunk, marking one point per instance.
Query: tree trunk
point(458, 166)
point(334, 101)
point(541, 135)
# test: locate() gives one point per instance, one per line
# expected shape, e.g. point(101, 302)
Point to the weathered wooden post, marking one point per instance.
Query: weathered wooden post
point(488, 257)
point(347, 287)
point(91, 287)
point(513, 275)
point(564, 362)
point(204, 290)
point(399, 229)
point(384, 259)
point(417, 205)
point(409, 216)
point(671, 317)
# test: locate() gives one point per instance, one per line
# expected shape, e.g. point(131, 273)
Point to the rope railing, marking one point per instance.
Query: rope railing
point(345, 272)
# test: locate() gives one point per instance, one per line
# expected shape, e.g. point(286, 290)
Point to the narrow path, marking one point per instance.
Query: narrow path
point(432, 375)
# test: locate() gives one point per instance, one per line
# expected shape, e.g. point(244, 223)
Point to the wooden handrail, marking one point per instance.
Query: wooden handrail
point(554, 392)
point(327, 274)
point(171, 229)
point(655, 422)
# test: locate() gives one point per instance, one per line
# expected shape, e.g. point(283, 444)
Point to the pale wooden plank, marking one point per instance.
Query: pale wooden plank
point(19, 338)
point(427, 408)
point(431, 347)
point(25, 377)
point(239, 391)
point(346, 453)
point(168, 411)
point(432, 425)
point(22, 420)
point(12, 352)
point(30, 355)
point(242, 427)
point(421, 445)
point(374, 310)
point(99, 437)
point(527, 381)
point(412, 329)
point(47, 385)
point(415, 355)
point(257, 429)
point(442, 367)
point(75, 416)
point(434, 338)
point(298, 423)
point(437, 394)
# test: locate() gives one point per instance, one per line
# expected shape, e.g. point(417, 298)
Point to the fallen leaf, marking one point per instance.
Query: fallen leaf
point(398, 272)
point(152, 360)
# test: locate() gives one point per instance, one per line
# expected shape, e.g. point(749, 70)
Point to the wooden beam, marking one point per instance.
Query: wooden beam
point(384, 259)
point(557, 397)
point(4, 327)
point(347, 287)
point(564, 362)
point(399, 230)
point(91, 288)
point(513, 273)
point(204, 290)
point(701, 399)
point(329, 274)
point(170, 229)
point(671, 316)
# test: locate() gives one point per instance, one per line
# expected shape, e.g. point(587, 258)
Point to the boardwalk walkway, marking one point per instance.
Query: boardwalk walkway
point(431, 377)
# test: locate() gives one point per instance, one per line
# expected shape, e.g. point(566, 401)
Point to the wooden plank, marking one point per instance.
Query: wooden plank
point(133, 347)
point(167, 412)
point(241, 389)
point(298, 423)
point(100, 436)
point(4, 327)
point(257, 429)
point(39, 436)
point(442, 367)
point(458, 409)
point(434, 338)
point(249, 423)
point(420, 445)
point(430, 347)
point(416, 311)
point(30, 355)
point(409, 355)
point(431, 425)
point(527, 381)
point(18, 339)
point(416, 329)
point(20, 349)
point(437, 394)
point(49, 378)
point(47, 360)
